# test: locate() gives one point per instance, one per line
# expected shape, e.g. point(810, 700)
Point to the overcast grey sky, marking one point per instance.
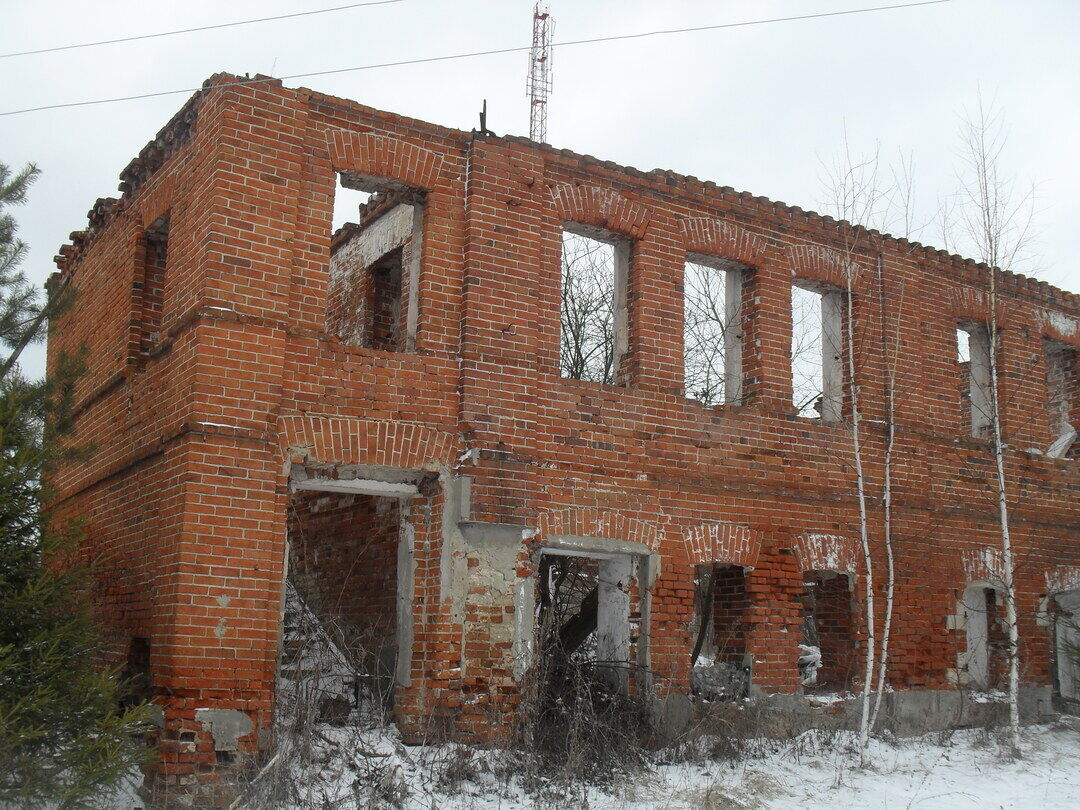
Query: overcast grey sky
point(757, 108)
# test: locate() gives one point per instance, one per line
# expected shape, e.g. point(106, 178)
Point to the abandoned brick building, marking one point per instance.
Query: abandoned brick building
point(387, 416)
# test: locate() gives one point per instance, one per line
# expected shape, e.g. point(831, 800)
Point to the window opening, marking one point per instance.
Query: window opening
point(585, 625)
point(720, 661)
point(593, 305)
point(1066, 634)
point(712, 330)
point(372, 297)
point(817, 370)
point(349, 204)
point(152, 298)
point(973, 343)
point(827, 652)
point(340, 632)
point(987, 642)
point(1063, 398)
point(963, 346)
point(136, 673)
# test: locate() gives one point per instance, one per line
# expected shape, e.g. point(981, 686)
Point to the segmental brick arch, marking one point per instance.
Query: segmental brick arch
point(601, 208)
point(817, 551)
point(383, 157)
point(819, 263)
point(724, 240)
point(593, 521)
point(982, 564)
point(341, 440)
point(722, 542)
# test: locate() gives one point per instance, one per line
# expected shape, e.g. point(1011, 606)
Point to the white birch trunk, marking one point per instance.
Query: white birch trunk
point(868, 566)
point(1008, 573)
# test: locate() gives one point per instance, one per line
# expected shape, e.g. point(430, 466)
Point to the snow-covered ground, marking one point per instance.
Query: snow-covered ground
point(963, 769)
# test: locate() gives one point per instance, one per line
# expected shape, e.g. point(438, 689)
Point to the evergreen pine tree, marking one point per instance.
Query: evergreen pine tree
point(64, 738)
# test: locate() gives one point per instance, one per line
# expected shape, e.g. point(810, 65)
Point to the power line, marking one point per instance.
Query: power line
point(474, 54)
point(198, 28)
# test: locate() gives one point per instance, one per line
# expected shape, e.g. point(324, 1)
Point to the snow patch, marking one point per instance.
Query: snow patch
point(814, 770)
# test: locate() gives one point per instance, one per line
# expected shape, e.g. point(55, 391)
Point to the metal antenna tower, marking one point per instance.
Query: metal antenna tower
point(538, 85)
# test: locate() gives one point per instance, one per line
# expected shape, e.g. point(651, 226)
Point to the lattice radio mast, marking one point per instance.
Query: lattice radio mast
point(538, 86)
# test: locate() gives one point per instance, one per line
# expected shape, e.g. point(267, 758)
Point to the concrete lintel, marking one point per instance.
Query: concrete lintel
point(358, 486)
point(598, 547)
point(341, 472)
point(481, 533)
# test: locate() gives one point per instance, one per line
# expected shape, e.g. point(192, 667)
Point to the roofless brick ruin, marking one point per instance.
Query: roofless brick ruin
point(389, 419)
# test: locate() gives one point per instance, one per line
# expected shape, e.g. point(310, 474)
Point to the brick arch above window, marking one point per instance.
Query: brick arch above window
point(970, 304)
point(822, 264)
point(341, 440)
point(983, 564)
point(817, 551)
point(1059, 326)
point(156, 201)
point(723, 240)
point(384, 158)
point(1062, 578)
point(601, 208)
point(722, 542)
point(593, 521)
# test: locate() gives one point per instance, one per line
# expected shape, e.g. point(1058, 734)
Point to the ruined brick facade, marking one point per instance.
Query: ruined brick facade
point(227, 373)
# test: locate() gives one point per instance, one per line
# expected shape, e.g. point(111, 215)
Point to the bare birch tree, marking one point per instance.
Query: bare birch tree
point(857, 192)
point(856, 198)
point(992, 218)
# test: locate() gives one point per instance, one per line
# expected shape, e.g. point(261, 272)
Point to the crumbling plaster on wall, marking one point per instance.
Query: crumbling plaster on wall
point(226, 726)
